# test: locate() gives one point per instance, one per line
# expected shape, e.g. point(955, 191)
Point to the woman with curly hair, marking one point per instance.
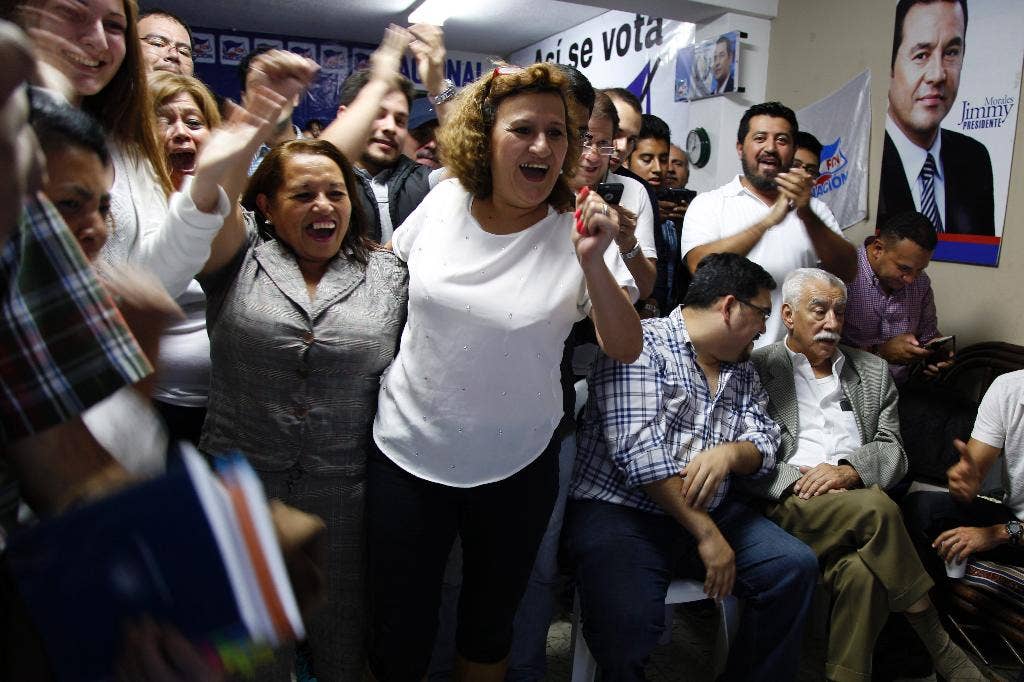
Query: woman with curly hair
point(499, 270)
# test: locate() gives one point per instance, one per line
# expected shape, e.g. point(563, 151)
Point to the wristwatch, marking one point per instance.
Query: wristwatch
point(1015, 530)
point(632, 253)
point(447, 93)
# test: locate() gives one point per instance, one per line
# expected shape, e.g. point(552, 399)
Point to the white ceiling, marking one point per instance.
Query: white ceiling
point(491, 27)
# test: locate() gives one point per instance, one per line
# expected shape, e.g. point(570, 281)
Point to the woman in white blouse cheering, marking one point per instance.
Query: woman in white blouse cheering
point(499, 270)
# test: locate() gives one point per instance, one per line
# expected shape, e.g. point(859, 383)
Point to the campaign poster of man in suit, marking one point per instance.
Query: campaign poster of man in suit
point(725, 55)
point(946, 175)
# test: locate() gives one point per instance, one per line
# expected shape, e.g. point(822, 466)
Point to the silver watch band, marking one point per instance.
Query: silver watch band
point(632, 253)
point(447, 92)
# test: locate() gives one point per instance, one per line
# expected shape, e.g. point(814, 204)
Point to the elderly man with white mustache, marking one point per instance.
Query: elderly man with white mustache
point(840, 451)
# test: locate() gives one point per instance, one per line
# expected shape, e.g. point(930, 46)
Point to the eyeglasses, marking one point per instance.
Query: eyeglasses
point(765, 312)
point(161, 42)
point(601, 147)
point(812, 170)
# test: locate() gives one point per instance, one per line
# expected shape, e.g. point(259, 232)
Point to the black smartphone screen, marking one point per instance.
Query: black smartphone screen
point(611, 192)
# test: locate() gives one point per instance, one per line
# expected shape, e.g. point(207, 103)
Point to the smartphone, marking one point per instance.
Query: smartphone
point(941, 347)
point(941, 343)
point(677, 195)
point(610, 192)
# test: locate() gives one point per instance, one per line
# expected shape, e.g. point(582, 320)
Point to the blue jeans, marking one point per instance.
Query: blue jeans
point(624, 559)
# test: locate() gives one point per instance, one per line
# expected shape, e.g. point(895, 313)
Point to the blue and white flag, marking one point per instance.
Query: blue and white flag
point(842, 123)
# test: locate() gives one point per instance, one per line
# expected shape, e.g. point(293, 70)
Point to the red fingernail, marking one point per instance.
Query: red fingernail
point(577, 214)
point(580, 228)
point(585, 191)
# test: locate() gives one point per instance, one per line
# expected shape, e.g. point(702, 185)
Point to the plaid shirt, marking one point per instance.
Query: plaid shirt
point(645, 421)
point(63, 344)
point(873, 316)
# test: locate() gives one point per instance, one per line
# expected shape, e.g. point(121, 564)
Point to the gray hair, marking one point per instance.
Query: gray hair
point(796, 281)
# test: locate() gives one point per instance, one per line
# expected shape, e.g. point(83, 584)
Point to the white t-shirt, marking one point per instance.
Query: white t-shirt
point(636, 199)
point(731, 209)
point(474, 394)
point(1000, 425)
point(183, 369)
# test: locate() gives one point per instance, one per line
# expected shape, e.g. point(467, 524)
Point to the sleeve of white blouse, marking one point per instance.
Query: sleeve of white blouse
point(621, 274)
point(432, 207)
point(182, 245)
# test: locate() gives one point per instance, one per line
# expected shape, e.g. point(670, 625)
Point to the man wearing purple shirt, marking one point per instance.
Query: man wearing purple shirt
point(891, 309)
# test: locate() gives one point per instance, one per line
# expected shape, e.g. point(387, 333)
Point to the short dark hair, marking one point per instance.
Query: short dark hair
point(357, 80)
point(728, 43)
point(627, 97)
point(579, 86)
point(724, 274)
point(805, 140)
point(901, 15)
point(773, 109)
point(605, 108)
point(161, 12)
point(243, 66)
point(909, 225)
point(58, 125)
point(653, 127)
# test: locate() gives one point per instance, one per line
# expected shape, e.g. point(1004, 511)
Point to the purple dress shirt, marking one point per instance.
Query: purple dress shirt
point(874, 316)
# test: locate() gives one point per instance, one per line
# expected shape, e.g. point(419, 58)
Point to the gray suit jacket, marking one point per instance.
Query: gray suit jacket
point(868, 386)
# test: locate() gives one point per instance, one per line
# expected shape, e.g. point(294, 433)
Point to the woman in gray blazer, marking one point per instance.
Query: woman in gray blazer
point(304, 314)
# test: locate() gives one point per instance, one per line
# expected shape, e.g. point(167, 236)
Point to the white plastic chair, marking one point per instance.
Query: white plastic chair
point(681, 590)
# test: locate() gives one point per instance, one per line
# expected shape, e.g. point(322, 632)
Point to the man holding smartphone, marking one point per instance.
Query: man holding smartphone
point(891, 312)
point(650, 161)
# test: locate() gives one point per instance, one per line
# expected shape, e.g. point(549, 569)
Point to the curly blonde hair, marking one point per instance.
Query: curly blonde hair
point(465, 137)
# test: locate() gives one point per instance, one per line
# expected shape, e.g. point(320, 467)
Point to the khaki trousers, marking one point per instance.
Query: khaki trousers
point(868, 565)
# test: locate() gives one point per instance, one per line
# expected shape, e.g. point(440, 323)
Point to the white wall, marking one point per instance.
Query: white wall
point(720, 116)
point(825, 43)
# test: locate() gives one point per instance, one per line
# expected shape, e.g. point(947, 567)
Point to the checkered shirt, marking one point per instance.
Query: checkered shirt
point(63, 344)
point(873, 316)
point(646, 420)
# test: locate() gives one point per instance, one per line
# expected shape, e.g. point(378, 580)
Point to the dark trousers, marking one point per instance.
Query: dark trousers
point(929, 514)
point(183, 423)
point(623, 560)
point(412, 524)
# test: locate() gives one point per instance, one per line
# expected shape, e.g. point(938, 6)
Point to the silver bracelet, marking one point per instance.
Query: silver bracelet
point(632, 253)
point(447, 93)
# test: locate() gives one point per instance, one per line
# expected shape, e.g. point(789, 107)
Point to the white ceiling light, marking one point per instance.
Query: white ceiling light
point(432, 12)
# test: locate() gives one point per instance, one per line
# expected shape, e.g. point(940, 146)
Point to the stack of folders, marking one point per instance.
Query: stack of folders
point(190, 549)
